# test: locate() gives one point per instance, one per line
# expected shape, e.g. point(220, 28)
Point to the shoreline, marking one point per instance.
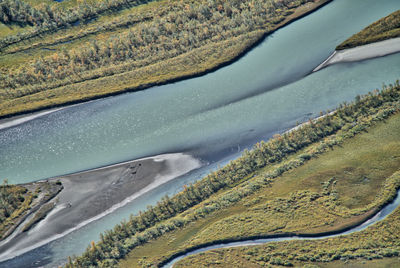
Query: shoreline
point(297, 15)
point(90, 195)
point(103, 171)
point(360, 53)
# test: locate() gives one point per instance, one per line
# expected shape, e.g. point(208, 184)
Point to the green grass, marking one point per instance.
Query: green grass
point(385, 28)
point(376, 263)
point(360, 166)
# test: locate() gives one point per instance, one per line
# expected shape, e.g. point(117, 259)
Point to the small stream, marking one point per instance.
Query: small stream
point(382, 214)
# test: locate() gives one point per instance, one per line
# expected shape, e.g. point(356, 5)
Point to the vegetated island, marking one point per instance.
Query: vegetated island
point(379, 39)
point(327, 175)
point(69, 52)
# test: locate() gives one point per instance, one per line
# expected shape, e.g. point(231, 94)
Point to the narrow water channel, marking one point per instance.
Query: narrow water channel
point(254, 242)
point(212, 117)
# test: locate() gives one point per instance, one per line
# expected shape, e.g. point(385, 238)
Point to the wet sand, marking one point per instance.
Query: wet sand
point(374, 50)
point(92, 194)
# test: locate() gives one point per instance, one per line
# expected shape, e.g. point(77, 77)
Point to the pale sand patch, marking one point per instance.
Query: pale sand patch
point(374, 50)
point(90, 195)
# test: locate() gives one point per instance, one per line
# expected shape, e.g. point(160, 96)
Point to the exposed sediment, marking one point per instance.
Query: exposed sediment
point(90, 195)
point(370, 51)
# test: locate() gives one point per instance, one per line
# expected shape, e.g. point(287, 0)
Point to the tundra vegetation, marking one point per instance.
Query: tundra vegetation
point(383, 29)
point(56, 54)
point(326, 175)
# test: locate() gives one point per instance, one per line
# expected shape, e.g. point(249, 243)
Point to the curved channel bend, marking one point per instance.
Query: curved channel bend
point(381, 215)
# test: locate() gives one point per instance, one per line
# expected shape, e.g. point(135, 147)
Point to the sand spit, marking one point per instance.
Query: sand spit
point(17, 120)
point(90, 195)
point(374, 50)
point(26, 117)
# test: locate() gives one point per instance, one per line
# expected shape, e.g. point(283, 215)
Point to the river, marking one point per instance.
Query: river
point(212, 117)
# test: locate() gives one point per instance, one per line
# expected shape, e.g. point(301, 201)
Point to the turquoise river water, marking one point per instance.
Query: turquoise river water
point(212, 117)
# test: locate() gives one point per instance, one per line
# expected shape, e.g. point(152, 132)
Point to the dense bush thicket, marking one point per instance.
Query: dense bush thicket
point(17, 11)
point(11, 197)
point(181, 28)
point(385, 28)
point(47, 18)
point(115, 244)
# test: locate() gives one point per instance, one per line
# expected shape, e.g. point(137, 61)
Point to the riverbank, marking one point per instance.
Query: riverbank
point(300, 176)
point(203, 60)
point(265, 114)
point(90, 195)
point(370, 51)
point(372, 247)
point(316, 197)
point(192, 257)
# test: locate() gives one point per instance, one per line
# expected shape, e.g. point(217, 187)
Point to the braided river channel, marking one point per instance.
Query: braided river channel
point(212, 117)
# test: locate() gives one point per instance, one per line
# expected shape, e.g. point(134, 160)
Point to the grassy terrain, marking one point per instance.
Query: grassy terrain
point(351, 263)
point(133, 49)
point(385, 28)
point(376, 242)
point(330, 192)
